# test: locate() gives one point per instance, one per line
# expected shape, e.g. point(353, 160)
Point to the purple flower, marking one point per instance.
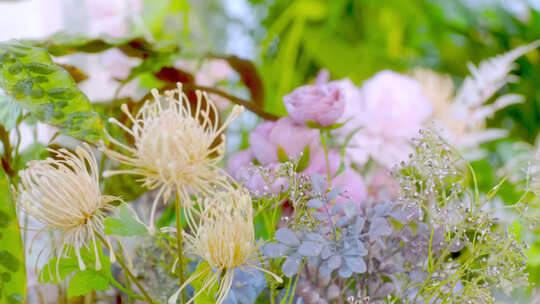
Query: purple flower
point(323, 103)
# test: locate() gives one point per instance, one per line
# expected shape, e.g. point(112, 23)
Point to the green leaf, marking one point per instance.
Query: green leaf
point(282, 155)
point(12, 269)
point(315, 125)
point(342, 152)
point(95, 279)
point(47, 91)
point(62, 43)
point(207, 296)
point(304, 160)
point(86, 281)
point(125, 225)
point(48, 273)
point(10, 110)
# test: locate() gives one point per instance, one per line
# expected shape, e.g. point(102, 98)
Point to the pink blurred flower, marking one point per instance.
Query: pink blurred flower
point(322, 77)
point(239, 160)
point(351, 183)
point(322, 103)
point(112, 17)
point(213, 71)
point(293, 138)
point(386, 112)
point(240, 167)
point(383, 186)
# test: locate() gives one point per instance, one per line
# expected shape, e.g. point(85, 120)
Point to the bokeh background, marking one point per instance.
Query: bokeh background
point(290, 41)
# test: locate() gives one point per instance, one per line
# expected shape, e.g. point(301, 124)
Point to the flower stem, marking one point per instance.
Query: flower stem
point(122, 263)
point(179, 230)
point(328, 173)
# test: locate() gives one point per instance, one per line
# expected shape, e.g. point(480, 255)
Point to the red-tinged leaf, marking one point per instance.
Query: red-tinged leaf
point(250, 77)
point(174, 75)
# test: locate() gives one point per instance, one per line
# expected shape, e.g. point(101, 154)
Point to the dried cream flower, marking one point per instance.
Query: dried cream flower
point(63, 193)
point(174, 148)
point(223, 237)
point(463, 112)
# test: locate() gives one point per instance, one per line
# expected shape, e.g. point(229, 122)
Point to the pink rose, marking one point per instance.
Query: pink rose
point(293, 138)
point(322, 103)
point(387, 112)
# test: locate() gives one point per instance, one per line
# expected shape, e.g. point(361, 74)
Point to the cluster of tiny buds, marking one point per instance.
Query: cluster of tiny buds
point(358, 299)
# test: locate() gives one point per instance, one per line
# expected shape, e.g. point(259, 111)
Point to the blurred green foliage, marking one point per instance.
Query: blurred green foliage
point(356, 39)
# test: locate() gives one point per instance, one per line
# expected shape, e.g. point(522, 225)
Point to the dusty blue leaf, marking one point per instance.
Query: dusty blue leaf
point(334, 262)
point(358, 249)
point(344, 271)
point(349, 208)
point(291, 266)
point(326, 252)
point(315, 237)
point(343, 221)
point(309, 248)
point(356, 264)
point(274, 250)
point(287, 237)
point(315, 203)
point(359, 224)
point(379, 227)
point(333, 193)
point(381, 209)
point(318, 183)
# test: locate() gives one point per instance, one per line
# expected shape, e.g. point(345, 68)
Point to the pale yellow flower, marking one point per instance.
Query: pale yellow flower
point(175, 148)
point(63, 193)
point(223, 237)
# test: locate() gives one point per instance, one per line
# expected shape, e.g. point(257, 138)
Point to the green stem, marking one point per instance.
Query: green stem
point(328, 174)
point(179, 230)
point(122, 263)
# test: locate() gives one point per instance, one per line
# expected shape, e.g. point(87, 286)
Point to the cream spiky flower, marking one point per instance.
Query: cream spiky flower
point(224, 238)
point(175, 148)
point(63, 193)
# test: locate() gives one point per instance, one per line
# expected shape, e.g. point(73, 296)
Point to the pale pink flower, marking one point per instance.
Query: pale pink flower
point(213, 71)
point(322, 103)
point(322, 77)
point(112, 17)
point(351, 183)
point(385, 113)
point(382, 186)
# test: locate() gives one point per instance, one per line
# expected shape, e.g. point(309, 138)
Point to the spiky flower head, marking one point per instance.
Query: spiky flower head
point(174, 148)
point(63, 193)
point(224, 238)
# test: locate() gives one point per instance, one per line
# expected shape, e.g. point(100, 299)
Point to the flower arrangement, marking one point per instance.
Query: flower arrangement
point(362, 194)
